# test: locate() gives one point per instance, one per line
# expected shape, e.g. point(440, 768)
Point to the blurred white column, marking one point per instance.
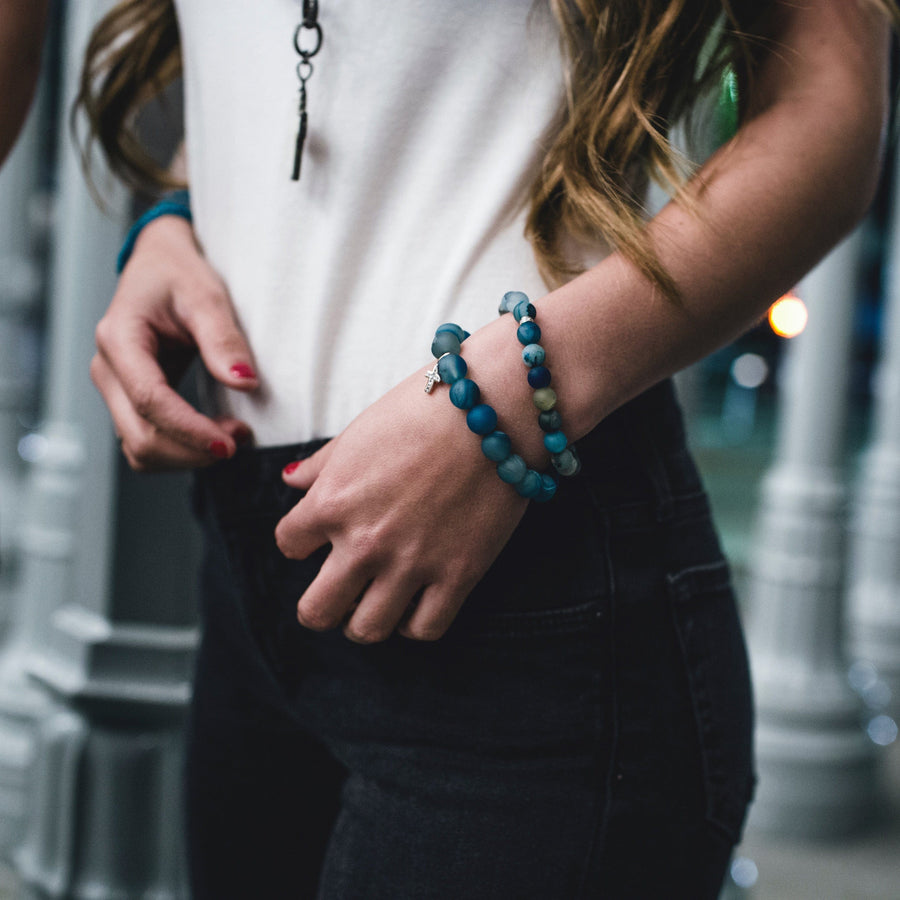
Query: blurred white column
point(20, 287)
point(816, 767)
point(874, 582)
point(108, 624)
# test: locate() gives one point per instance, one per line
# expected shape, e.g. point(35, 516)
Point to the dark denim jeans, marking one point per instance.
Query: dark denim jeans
point(582, 731)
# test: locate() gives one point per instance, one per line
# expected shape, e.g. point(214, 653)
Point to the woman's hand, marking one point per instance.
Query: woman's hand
point(168, 306)
point(414, 513)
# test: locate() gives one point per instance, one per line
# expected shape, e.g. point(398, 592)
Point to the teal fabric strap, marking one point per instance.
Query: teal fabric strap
point(176, 203)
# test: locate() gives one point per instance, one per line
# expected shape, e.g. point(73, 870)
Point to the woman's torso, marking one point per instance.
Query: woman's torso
point(425, 128)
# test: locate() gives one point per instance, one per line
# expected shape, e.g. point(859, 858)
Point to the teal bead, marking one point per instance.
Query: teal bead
point(453, 328)
point(528, 333)
point(530, 485)
point(566, 463)
point(512, 470)
point(510, 300)
point(496, 446)
point(555, 441)
point(539, 377)
point(464, 393)
point(444, 342)
point(544, 399)
point(550, 420)
point(451, 368)
point(481, 419)
point(524, 309)
point(533, 355)
point(548, 489)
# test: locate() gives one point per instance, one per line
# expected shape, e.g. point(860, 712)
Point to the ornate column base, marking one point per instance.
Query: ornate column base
point(817, 769)
point(873, 615)
point(106, 812)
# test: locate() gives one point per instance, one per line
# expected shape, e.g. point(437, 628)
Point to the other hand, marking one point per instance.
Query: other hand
point(169, 305)
point(414, 513)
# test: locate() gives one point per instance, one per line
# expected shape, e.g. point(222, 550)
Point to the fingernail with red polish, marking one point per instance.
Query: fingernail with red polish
point(242, 370)
point(291, 467)
point(219, 449)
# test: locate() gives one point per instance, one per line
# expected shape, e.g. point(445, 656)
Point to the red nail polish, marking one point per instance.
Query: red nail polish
point(219, 449)
point(291, 467)
point(242, 370)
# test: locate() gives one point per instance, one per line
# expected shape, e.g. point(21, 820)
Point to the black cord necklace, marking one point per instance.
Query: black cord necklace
point(310, 29)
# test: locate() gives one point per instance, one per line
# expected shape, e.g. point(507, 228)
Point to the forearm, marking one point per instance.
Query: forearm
point(22, 25)
point(766, 207)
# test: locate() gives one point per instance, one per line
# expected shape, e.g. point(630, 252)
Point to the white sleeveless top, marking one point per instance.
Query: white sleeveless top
point(426, 122)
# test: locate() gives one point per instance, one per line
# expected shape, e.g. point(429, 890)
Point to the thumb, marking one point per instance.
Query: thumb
point(302, 473)
point(210, 319)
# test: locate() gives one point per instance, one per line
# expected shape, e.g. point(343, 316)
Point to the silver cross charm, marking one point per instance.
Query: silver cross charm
point(431, 378)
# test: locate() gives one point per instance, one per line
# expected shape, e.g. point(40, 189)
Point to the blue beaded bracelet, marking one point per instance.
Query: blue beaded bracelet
point(480, 417)
point(176, 203)
point(564, 458)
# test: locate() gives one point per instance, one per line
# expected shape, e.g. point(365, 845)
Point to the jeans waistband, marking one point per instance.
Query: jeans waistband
point(636, 457)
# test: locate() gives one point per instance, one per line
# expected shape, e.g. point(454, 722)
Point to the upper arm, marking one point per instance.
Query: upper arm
point(826, 53)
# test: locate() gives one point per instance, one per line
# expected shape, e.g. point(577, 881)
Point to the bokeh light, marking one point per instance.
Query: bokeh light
point(749, 370)
point(882, 730)
point(744, 872)
point(788, 315)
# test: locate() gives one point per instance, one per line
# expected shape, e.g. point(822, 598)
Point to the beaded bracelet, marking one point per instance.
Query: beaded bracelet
point(482, 418)
point(563, 457)
point(175, 203)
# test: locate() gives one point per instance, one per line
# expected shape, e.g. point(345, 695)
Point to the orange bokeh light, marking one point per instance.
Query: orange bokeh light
point(788, 315)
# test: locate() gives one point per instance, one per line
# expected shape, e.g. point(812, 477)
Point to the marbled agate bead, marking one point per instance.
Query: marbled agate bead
point(539, 377)
point(550, 420)
point(451, 368)
point(482, 419)
point(566, 463)
point(533, 355)
point(464, 393)
point(528, 333)
point(530, 486)
point(554, 441)
point(453, 328)
point(445, 342)
point(544, 398)
point(496, 446)
point(548, 489)
point(510, 300)
point(524, 309)
point(512, 470)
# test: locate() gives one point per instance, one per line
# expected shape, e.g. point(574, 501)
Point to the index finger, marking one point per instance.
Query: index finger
point(153, 399)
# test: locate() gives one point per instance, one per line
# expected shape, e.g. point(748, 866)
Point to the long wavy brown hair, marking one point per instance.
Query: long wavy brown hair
point(635, 67)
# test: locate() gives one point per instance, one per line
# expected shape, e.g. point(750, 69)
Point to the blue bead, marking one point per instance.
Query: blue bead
point(530, 485)
point(512, 470)
point(451, 368)
point(548, 489)
point(533, 354)
point(444, 342)
point(453, 328)
point(550, 420)
point(524, 309)
point(555, 441)
point(496, 446)
point(510, 300)
point(528, 333)
point(566, 463)
point(481, 419)
point(539, 377)
point(464, 393)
